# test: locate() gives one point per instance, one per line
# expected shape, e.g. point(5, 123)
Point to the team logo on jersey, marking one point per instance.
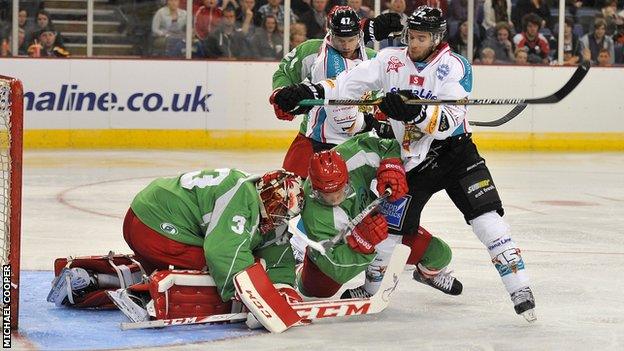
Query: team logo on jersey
point(443, 71)
point(169, 228)
point(394, 64)
point(395, 211)
point(416, 80)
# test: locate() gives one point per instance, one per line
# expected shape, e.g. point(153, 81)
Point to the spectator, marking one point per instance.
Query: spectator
point(458, 11)
point(501, 43)
point(611, 16)
point(43, 22)
point(597, 40)
point(316, 19)
point(496, 11)
point(487, 57)
point(536, 44)
point(521, 56)
point(525, 7)
point(268, 42)
point(619, 55)
point(604, 58)
point(45, 45)
point(459, 41)
point(247, 18)
point(275, 8)
point(25, 24)
point(362, 11)
point(228, 40)
point(168, 29)
point(397, 6)
point(207, 18)
point(572, 48)
point(22, 48)
point(296, 38)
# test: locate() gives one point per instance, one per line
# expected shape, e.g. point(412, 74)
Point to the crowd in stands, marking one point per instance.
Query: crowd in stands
point(505, 31)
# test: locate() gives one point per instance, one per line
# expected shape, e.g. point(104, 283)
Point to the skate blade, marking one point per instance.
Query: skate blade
point(529, 315)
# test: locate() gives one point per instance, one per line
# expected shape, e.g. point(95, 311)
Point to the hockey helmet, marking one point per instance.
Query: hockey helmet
point(427, 19)
point(343, 21)
point(329, 177)
point(281, 193)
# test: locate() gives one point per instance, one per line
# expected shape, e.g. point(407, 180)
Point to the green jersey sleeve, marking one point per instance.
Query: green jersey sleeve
point(296, 65)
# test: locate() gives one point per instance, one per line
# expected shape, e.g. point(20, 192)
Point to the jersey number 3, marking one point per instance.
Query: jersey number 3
point(239, 224)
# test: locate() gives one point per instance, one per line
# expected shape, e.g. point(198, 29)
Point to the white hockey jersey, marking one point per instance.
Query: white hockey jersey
point(334, 124)
point(446, 75)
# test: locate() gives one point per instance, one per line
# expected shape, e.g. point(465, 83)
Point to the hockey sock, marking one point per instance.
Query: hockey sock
point(493, 232)
point(437, 256)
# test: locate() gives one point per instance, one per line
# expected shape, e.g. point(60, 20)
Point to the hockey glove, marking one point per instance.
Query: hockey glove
point(394, 106)
point(380, 27)
point(391, 174)
point(279, 113)
point(288, 98)
point(383, 128)
point(371, 231)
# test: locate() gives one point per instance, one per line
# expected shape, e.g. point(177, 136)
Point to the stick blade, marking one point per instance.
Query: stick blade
point(575, 80)
point(506, 118)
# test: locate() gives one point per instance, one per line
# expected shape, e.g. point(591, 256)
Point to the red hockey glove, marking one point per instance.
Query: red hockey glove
point(279, 113)
point(371, 231)
point(391, 174)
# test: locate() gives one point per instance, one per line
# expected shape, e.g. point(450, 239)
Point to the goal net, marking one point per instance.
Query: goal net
point(11, 124)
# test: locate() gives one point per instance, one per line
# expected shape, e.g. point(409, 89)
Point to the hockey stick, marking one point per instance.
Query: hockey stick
point(312, 309)
point(576, 78)
point(506, 118)
point(159, 323)
point(324, 245)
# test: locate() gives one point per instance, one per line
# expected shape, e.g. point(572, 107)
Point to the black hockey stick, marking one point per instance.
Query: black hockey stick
point(506, 118)
point(576, 78)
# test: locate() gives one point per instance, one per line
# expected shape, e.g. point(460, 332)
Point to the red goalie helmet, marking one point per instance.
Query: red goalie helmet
point(281, 193)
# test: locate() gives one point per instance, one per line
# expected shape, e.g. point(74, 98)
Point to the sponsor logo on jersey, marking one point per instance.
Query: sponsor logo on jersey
point(424, 94)
point(394, 64)
point(481, 188)
point(434, 119)
point(443, 71)
point(444, 123)
point(395, 211)
point(169, 228)
point(416, 80)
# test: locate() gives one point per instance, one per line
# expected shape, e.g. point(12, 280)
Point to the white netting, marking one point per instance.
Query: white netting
point(5, 169)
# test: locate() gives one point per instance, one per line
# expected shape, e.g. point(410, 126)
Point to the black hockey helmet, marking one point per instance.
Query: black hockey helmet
point(343, 21)
point(427, 19)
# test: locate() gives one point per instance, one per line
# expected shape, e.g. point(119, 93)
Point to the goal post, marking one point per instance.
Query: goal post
point(11, 132)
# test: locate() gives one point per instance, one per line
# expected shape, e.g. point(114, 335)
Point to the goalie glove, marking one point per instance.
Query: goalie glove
point(391, 174)
point(371, 231)
point(380, 27)
point(288, 98)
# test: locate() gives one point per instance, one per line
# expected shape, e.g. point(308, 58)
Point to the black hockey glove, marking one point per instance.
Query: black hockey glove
point(288, 98)
point(383, 128)
point(380, 27)
point(394, 106)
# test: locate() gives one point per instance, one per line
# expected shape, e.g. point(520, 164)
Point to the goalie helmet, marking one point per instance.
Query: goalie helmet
point(329, 177)
point(427, 19)
point(343, 21)
point(281, 194)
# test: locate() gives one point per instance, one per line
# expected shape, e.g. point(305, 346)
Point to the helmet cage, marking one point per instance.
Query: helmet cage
point(281, 196)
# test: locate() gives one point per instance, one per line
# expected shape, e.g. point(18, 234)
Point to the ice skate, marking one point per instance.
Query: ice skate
point(524, 303)
point(442, 281)
point(71, 282)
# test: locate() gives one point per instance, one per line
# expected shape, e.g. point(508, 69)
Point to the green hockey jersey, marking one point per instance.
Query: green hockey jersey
point(362, 154)
point(218, 210)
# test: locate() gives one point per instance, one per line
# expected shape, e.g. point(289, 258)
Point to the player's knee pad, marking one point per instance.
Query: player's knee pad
point(82, 282)
point(179, 294)
point(418, 243)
